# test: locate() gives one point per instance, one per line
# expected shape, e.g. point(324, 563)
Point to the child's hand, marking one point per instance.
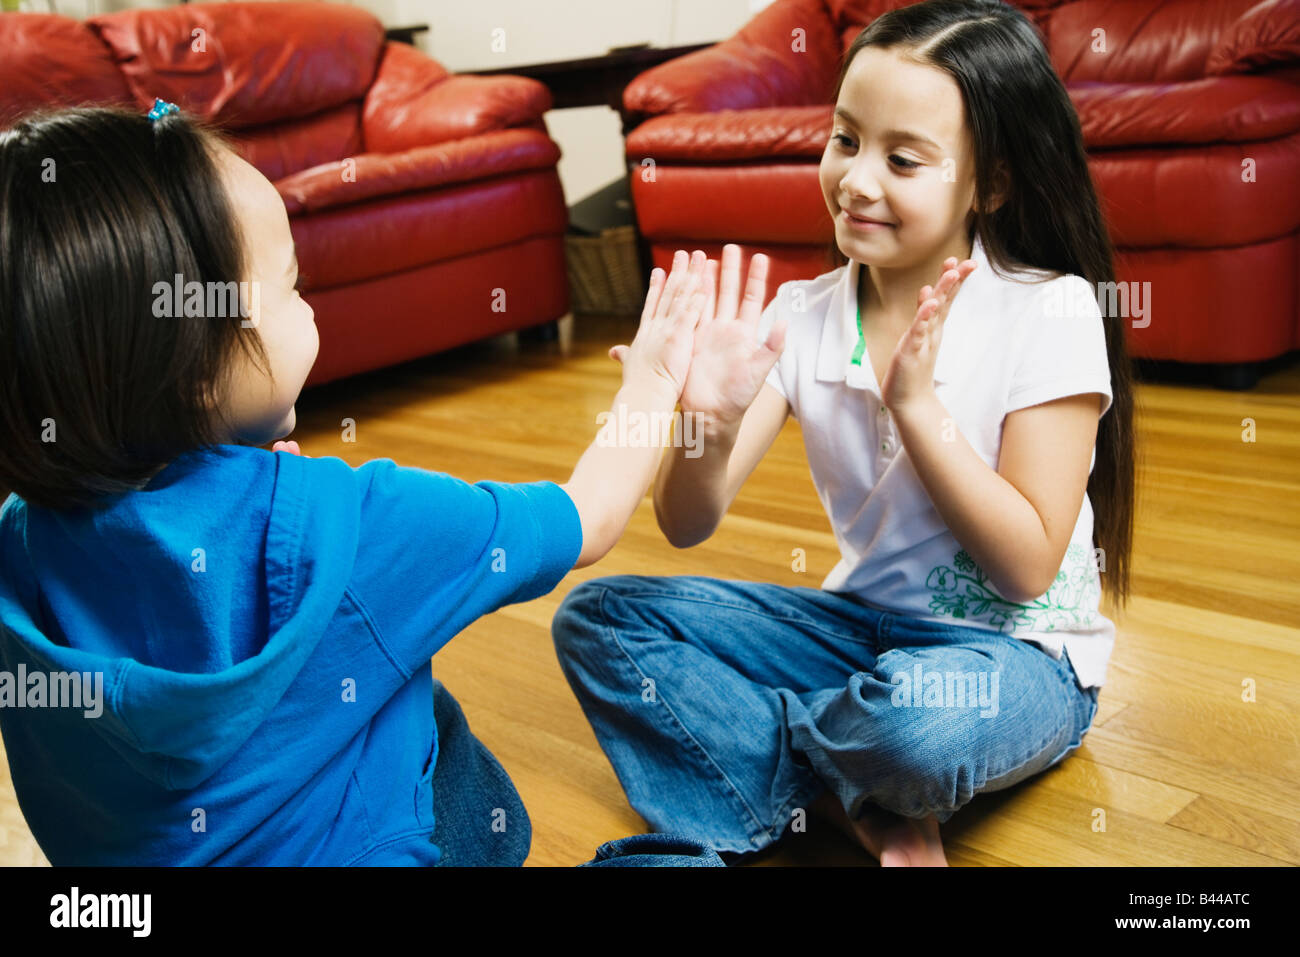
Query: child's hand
point(730, 365)
point(664, 341)
point(911, 370)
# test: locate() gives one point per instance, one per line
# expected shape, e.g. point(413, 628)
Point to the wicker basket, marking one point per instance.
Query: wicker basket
point(604, 272)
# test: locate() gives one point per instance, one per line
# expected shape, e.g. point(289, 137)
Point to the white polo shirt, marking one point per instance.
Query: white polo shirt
point(1006, 345)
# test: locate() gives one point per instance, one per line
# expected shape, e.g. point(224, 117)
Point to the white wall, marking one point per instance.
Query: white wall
point(462, 35)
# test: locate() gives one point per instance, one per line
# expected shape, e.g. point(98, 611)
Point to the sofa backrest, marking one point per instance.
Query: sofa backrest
point(1144, 41)
point(50, 60)
point(245, 64)
point(286, 80)
point(1141, 41)
point(851, 16)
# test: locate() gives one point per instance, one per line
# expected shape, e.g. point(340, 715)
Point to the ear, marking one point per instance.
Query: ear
point(214, 402)
point(1002, 186)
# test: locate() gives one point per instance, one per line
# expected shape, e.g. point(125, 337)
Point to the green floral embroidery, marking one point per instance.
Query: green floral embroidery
point(962, 591)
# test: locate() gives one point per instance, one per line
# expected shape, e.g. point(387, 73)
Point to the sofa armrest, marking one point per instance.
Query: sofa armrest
point(415, 102)
point(788, 55)
point(1266, 35)
point(456, 162)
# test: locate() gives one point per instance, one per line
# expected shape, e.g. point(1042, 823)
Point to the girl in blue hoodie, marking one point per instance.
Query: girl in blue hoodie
point(259, 625)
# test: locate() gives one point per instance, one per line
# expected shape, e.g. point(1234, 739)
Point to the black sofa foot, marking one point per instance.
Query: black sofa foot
point(546, 332)
point(1234, 376)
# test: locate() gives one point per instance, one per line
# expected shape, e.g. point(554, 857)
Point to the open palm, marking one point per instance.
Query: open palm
point(911, 368)
point(729, 364)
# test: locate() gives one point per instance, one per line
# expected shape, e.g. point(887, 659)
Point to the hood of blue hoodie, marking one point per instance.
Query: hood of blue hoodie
point(168, 594)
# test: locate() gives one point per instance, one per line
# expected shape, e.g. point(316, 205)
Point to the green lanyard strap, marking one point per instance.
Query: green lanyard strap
point(861, 347)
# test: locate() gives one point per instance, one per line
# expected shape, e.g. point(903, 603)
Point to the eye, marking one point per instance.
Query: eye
point(843, 140)
point(904, 163)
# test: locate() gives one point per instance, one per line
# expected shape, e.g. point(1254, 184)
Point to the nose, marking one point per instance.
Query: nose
point(859, 184)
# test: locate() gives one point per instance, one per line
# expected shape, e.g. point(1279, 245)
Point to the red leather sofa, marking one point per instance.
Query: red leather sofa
point(446, 227)
point(1187, 92)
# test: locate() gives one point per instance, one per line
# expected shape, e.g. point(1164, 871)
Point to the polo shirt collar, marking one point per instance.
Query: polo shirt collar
point(839, 336)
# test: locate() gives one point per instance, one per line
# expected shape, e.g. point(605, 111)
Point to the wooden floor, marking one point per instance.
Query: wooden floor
point(1184, 770)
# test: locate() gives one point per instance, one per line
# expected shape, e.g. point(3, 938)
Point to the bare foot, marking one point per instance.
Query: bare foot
point(893, 840)
point(902, 841)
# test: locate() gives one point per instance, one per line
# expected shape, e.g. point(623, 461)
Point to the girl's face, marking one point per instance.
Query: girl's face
point(900, 154)
point(262, 410)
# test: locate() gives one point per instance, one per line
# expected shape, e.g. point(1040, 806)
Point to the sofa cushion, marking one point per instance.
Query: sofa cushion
point(281, 149)
point(1236, 109)
point(1266, 34)
point(1197, 197)
point(53, 61)
point(774, 202)
point(245, 64)
point(731, 135)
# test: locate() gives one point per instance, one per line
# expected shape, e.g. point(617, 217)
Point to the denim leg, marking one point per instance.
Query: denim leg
point(654, 850)
point(944, 714)
point(714, 699)
point(691, 686)
point(479, 818)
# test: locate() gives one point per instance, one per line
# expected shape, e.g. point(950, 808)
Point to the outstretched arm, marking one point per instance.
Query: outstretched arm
point(611, 478)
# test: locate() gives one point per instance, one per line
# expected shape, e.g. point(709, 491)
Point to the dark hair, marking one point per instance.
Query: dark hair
point(1022, 122)
point(97, 205)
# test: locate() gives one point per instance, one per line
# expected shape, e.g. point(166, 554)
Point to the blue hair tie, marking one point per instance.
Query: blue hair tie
point(161, 108)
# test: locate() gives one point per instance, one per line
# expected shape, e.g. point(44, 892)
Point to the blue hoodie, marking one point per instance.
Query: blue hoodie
point(263, 625)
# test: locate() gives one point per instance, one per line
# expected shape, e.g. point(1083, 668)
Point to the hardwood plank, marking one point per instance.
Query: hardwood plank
point(1246, 827)
point(1082, 778)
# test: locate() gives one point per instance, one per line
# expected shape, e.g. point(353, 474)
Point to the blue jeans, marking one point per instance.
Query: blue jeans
point(471, 789)
point(727, 707)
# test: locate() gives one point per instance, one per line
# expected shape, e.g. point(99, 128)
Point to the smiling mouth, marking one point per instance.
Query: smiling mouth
point(862, 220)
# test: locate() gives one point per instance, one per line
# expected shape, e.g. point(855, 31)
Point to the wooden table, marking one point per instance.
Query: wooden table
point(405, 34)
point(598, 80)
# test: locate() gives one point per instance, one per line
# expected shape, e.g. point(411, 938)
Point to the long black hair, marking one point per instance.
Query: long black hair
point(97, 393)
point(1023, 124)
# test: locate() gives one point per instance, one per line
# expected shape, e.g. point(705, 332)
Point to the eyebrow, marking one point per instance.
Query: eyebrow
point(892, 134)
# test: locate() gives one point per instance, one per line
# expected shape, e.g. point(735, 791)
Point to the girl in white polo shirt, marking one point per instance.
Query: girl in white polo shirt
point(970, 440)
